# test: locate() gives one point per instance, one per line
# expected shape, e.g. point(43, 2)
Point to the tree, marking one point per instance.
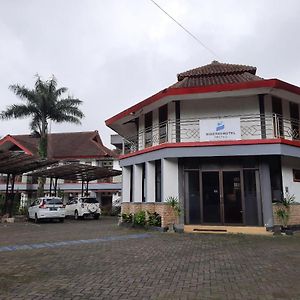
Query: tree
point(43, 103)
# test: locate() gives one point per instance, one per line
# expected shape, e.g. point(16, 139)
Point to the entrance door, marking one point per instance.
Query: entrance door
point(222, 197)
point(232, 197)
point(192, 194)
point(211, 197)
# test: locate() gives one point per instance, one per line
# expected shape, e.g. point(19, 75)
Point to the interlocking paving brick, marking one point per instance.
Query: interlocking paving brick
point(161, 266)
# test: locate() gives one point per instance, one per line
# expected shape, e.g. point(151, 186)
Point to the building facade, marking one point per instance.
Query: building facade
point(222, 140)
point(83, 147)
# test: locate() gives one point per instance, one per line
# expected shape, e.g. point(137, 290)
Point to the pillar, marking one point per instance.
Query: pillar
point(169, 172)
point(126, 184)
point(266, 194)
point(137, 183)
point(150, 181)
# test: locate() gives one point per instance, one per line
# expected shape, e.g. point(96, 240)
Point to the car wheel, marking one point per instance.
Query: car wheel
point(36, 219)
point(76, 217)
point(96, 217)
point(61, 220)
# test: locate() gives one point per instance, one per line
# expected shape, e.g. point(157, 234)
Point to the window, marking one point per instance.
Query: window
point(148, 129)
point(296, 175)
point(163, 118)
point(277, 111)
point(157, 181)
point(294, 114)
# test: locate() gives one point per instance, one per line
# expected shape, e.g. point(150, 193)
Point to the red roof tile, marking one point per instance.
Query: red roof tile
point(68, 145)
point(198, 81)
point(217, 68)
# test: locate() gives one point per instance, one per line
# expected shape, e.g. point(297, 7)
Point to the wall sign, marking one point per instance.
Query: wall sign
point(220, 129)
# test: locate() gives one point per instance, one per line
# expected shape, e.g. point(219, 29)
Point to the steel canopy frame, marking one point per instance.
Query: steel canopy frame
point(75, 171)
point(14, 163)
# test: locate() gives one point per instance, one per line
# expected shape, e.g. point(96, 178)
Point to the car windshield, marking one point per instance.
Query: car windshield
point(89, 200)
point(53, 201)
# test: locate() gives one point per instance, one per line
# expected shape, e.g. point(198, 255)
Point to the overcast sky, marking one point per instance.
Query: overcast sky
point(112, 54)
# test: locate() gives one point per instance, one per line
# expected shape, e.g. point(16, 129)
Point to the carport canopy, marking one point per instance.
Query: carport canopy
point(16, 163)
point(76, 171)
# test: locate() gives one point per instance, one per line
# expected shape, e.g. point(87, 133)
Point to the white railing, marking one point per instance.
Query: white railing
point(188, 130)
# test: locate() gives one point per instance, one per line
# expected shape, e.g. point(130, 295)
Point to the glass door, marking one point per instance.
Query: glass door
point(232, 198)
point(211, 197)
point(192, 196)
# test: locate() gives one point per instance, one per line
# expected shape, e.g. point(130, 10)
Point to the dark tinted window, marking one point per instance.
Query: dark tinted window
point(53, 201)
point(89, 200)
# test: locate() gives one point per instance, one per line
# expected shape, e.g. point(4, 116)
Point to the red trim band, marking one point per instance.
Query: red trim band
point(209, 144)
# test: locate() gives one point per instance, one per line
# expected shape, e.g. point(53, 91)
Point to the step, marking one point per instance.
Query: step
point(260, 230)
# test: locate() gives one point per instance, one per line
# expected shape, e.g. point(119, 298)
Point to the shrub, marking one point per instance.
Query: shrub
point(127, 218)
point(115, 210)
point(154, 219)
point(283, 209)
point(174, 203)
point(140, 218)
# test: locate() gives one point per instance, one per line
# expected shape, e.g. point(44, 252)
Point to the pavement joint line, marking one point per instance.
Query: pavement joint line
point(59, 244)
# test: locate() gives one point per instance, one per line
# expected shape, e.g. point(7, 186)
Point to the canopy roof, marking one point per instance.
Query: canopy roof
point(18, 162)
point(76, 171)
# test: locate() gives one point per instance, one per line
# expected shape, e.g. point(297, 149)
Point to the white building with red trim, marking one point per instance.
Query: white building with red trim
point(223, 140)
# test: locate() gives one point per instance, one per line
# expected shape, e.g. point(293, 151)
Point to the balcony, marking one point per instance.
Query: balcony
point(251, 127)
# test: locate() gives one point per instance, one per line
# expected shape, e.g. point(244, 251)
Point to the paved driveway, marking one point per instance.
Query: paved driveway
point(98, 260)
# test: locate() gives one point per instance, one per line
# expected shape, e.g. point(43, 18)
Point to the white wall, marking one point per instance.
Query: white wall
point(219, 107)
point(288, 164)
point(126, 184)
point(150, 181)
point(169, 177)
point(213, 108)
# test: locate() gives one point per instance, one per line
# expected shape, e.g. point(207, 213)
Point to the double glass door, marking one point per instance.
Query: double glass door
point(214, 197)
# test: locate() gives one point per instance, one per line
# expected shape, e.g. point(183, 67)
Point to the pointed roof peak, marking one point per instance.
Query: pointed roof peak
point(216, 68)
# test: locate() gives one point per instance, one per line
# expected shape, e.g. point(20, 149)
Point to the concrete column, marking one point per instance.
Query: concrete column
point(150, 181)
point(137, 183)
point(169, 177)
point(126, 184)
point(266, 194)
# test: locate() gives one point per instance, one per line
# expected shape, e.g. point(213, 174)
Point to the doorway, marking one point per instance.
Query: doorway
point(214, 197)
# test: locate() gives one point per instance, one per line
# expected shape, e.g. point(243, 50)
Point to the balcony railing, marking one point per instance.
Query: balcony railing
point(188, 130)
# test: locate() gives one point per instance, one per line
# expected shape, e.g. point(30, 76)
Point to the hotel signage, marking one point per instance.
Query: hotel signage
point(220, 129)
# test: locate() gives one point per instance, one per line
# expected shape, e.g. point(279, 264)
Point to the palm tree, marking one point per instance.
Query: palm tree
point(42, 104)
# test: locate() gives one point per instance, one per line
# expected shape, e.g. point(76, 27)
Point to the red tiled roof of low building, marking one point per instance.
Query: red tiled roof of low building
point(68, 145)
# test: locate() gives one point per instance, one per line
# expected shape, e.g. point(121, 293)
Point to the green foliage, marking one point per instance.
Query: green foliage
point(283, 209)
point(115, 210)
point(174, 203)
point(43, 103)
point(127, 218)
point(140, 218)
point(154, 219)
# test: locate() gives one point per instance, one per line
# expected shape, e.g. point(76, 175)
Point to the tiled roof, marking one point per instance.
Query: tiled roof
point(197, 81)
point(68, 145)
point(217, 68)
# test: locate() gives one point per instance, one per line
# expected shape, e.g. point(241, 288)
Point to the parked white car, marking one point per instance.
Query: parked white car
point(47, 208)
point(82, 207)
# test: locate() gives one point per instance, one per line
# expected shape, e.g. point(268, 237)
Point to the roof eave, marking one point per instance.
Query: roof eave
point(267, 83)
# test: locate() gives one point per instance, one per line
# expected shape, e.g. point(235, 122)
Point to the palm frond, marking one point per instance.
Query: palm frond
point(17, 111)
point(23, 92)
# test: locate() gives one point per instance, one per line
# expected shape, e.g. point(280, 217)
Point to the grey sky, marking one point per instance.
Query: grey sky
point(112, 54)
